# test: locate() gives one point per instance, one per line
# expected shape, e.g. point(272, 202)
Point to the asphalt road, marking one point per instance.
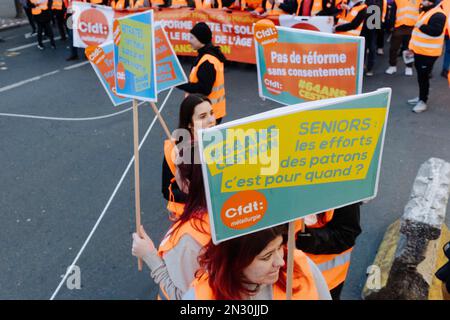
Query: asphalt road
point(58, 176)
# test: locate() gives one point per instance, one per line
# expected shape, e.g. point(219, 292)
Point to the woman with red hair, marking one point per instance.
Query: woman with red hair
point(254, 267)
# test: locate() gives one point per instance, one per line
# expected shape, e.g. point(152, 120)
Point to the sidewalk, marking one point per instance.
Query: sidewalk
point(7, 14)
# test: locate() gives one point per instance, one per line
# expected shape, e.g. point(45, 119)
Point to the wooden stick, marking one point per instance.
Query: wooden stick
point(137, 190)
point(161, 120)
point(290, 260)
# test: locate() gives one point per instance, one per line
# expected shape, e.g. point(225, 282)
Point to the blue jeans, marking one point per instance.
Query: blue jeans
point(446, 64)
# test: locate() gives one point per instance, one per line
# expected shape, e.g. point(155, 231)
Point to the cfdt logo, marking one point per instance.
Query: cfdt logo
point(93, 27)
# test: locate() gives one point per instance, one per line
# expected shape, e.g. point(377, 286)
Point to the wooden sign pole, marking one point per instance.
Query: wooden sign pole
point(290, 260)
point(137, 190)
point(161, 120)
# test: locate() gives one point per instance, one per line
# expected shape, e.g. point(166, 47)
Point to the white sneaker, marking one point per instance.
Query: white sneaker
point(380, 51)
point(391, 70)
point(420, 107)
point(414, 101)
point(408, 72)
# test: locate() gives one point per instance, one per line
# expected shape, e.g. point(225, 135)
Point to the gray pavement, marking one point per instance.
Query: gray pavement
point(8, 16)
point(57, 176)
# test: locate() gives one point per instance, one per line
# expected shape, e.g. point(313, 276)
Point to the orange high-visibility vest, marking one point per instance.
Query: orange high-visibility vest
point(422, 43)
point(175, 208)
point(217, 95)
point(347, 16)
point(304, 280)
point(407, 12)
point(179, 3)
point(95, 1)
point(171, 240)
point(205, 4)
point(334, 267)
point(40, 5)
point(57, 5)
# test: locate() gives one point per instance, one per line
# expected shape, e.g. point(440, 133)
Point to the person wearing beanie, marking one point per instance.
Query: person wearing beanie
point(207, 73)
point(426, 43)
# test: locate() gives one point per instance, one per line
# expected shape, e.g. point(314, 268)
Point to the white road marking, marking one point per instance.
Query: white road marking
point(77, 65)
point(21, 83)
point(69, 269)
point(34, 44)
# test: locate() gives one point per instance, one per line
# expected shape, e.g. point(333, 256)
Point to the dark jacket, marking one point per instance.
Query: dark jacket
point(336, 236)
point(167, 176)
point(206, 73)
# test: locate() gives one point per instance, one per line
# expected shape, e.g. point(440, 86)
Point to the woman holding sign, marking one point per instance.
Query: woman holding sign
point(253, 267)
point(173, 266)
point(195, 113)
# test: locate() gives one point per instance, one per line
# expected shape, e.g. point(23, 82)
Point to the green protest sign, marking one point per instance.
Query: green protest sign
point(293, 161)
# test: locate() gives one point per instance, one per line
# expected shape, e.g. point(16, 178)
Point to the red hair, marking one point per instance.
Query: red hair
point(225, 263)
point(195, 207)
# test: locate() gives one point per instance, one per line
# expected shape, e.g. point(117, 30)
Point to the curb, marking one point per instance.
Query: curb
point(12, 23)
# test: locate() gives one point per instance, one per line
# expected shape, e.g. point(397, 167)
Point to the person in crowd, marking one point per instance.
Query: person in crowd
point(59, 13)
point(42, 15)
point(328, 239)
point(351, 18)
point(195, 113)
point(29, 15)
point(174, 264)
point(207, 74)
point(404, 14)
point(371, 33)
point(426, 43)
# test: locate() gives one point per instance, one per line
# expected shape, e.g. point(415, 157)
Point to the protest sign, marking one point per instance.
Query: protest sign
point(169, 72)
point(102, 61)
point(299, 65)
point(91, 24)
point(134, 56)
point(293, 161)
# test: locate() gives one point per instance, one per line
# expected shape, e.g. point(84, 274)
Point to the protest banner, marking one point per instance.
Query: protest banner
point(299, 65)
point(134, 56)
point(102, 61)
point(233, 32)
point(290, 162)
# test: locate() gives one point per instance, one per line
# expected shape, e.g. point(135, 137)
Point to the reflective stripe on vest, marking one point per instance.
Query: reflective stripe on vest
point(57, 5)
point(217, 95)
point(347, 16)
point(40, 5)
point(424, 44)
point(335, 262)
point(407, 12)
point(304, 280)
point(334, 267)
